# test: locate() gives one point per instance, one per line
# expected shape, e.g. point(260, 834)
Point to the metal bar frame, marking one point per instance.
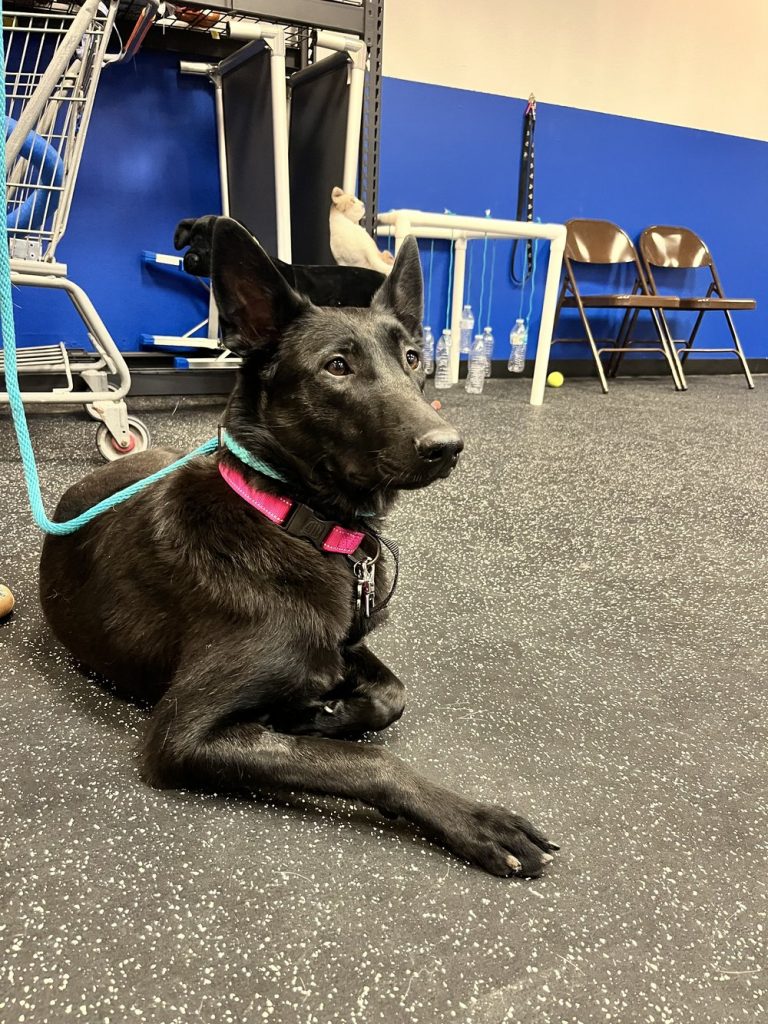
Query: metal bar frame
point(328, 14)
point(368, 177)
point(459, 229)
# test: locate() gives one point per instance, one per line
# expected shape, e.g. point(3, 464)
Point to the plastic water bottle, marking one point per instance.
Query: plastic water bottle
point(442, 361)
point(428, 351)
point(518, 340)
point(488, 341)
point(477, 362)
point(467, 329)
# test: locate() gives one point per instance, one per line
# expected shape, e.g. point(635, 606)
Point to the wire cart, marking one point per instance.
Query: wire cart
point(54, 56)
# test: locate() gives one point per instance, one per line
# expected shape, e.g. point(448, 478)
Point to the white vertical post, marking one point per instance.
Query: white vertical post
point(221, 142)
point(354, 123)
point(546, 327)
point(457, 302)
point(402, 230)
point(358, 58)
point(222, 145)
point(276, 41)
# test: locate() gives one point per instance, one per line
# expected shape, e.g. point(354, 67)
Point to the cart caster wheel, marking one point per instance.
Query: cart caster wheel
point(91, 409)
point(111, 450)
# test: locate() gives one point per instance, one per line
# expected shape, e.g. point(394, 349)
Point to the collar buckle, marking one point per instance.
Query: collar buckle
point(302, 522)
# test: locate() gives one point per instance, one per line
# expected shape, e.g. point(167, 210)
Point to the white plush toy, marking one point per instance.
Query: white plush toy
point(351, 244)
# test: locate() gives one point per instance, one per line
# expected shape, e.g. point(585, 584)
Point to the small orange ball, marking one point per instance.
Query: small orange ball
point(6, 601)
point(437, 404)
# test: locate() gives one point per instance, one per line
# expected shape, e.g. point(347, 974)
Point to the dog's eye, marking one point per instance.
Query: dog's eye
point(413, 358)
point(338, 367)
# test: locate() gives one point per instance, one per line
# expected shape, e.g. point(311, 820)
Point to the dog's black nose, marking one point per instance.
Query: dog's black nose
point(441, 445)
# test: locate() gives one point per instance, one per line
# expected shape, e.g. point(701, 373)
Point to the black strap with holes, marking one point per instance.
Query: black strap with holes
point(525, 188)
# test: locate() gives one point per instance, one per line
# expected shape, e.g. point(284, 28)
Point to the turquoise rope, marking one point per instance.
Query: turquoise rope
point(490, 288)
point(482, 285)
point(533, 284)
point(533, 281)
point(31, 475)
point(250, 460)
point(429, 282)
point(450, 287)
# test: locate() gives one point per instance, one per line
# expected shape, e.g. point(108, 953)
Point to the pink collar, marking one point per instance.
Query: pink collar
point(329, 537)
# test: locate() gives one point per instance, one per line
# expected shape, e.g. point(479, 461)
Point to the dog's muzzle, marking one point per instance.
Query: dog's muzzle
point(439, 450)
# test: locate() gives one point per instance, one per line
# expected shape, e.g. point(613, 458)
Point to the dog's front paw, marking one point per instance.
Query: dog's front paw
point(498, 841)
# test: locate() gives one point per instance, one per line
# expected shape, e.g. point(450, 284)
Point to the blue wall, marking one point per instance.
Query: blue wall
point(150, 160)
point(451, 148)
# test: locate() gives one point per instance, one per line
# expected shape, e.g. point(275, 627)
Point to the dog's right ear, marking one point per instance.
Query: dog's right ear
point(255, 301)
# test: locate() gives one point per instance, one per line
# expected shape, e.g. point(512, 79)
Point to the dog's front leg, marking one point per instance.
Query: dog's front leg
point(203, 735)
point(368, 698)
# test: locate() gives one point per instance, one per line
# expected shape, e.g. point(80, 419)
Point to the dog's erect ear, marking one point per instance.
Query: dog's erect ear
point(197, 233)
point(255, 301)
point(403, 291)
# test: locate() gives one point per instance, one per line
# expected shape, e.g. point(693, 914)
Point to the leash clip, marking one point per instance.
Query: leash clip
point(365, 591)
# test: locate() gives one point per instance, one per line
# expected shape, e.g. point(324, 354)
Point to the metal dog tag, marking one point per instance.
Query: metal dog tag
point(365, 572)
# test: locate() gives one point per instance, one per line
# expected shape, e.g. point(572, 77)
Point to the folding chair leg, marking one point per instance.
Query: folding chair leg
point(592, 345)
point(668, 347)
point(691, 337)
point(625, 332)
point(739, 351)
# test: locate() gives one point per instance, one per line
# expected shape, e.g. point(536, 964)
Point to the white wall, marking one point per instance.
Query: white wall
point(697, 63)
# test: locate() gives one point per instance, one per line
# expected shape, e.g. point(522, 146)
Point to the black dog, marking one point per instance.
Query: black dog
point(247, 634)
point(323, 286)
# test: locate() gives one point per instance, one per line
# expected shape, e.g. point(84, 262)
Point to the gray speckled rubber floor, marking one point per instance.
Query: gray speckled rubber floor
point(583, 625)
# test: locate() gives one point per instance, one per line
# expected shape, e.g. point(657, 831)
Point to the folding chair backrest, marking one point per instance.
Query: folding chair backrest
point(664, 246)
point(598, 241)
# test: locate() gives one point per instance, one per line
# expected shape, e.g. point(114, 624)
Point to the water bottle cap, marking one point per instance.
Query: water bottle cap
point(467, 308)
point(519, 321)
point(487, 330)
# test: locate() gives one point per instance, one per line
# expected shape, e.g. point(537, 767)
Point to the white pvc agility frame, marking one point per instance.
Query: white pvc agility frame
point(459, 230)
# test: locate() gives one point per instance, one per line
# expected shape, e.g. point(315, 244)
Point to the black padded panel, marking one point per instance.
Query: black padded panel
point(247, 97)
point(319, 104)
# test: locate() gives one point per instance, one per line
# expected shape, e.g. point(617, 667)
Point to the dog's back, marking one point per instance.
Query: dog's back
point(83, 602)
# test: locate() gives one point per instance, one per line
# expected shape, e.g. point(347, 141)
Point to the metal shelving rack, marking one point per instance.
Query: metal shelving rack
point(190, 26)
point(302, 29)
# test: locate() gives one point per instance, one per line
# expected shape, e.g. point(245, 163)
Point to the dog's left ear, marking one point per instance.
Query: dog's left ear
point(255, 301)
point(403, 291)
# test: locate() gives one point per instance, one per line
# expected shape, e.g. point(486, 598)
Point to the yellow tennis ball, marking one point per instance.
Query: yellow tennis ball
point(555, 379)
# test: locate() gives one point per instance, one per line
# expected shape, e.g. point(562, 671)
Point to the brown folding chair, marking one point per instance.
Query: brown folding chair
point(604, 243)
point(663, 246)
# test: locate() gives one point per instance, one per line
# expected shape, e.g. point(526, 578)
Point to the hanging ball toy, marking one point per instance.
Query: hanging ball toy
point(555, 379)
point(6, 601)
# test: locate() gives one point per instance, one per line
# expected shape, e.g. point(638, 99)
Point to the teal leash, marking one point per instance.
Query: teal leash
point(250, 460)
point(31, 475)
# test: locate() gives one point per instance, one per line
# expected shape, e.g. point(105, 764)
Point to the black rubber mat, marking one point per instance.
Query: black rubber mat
point(583, 626)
